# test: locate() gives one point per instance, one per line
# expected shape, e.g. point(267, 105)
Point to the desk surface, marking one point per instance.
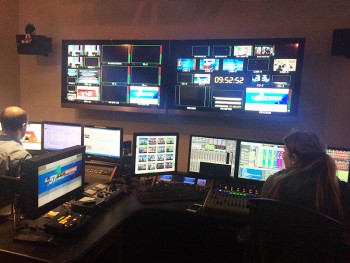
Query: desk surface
point(102, 227)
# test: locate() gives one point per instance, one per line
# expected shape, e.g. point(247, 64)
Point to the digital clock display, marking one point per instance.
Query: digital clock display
point(228, 80)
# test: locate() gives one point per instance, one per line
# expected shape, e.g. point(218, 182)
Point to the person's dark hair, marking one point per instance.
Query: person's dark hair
point(307, 146)
point(12, 120)
point(313, 160)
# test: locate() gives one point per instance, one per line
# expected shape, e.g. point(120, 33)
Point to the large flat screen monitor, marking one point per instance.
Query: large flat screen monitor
point(59, 135)
point(341, 157)
point(258, 160)
point(212, 156)
point(32, 140)
point(103, 143)
point(227, 77)
point(51, 179)
point(155, 153)
point(114, 75)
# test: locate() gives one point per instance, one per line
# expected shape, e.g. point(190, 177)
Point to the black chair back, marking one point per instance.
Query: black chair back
point(284, 233)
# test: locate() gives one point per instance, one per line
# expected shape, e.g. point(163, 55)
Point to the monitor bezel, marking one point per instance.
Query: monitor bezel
point(207, 176)
point(134, 146)
point(111, 159)
point(29, 182)
point(62, 124)
point(155, 109)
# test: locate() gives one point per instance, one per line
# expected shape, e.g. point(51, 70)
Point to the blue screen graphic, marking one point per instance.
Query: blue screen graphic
point(59, 176)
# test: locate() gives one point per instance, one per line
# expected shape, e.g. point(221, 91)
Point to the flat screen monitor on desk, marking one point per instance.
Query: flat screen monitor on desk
point(341, 157)
point(259, 160)
point(32, 138)
point(213, 156)
point(155, 153)
point(59, 135)
point(51, 179)
point(103, 143)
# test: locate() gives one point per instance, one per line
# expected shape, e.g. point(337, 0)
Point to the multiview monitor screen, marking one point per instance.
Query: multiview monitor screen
point(259, 160)
point(212, 156)
point(103, 142)
point(233, 76)
point(32, 138)
point(342, 159)
point(57, 136)
point(114, 75)
point(155, 153)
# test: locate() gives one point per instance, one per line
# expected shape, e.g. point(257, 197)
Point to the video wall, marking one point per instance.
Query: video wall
point(114, 75)
point(236, 76)
point(190, 77)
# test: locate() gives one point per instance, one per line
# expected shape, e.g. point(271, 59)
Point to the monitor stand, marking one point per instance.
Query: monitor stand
point(16, 212)
point(12, 211)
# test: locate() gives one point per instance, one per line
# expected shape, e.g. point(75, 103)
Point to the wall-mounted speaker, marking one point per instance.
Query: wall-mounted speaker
point(341, 42)
point(39, 45)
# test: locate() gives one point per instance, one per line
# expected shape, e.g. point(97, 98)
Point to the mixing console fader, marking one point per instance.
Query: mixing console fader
point(228, 202)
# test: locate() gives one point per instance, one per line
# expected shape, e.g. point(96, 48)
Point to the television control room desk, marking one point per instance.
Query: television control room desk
point(132, 232)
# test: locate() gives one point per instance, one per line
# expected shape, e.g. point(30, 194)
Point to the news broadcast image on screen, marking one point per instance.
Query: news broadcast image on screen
point(228, 76)
point(50, 179)
point(58, 178)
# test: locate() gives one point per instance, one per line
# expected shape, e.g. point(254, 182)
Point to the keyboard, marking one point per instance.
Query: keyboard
point(35, 236)
point(169, 193)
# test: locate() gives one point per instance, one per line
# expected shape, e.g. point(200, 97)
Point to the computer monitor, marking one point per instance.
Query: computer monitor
point(155, 153)
point(59, 135)
point(103, 143)
point(213, 156)
point(51, 179)
point(235, 77)
point(258, 160)
point(32, 138)
point(341, 157)
point(116, 75)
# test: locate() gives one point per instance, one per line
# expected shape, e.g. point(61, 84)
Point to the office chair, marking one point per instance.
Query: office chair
point(284, 233)
point(8, 186)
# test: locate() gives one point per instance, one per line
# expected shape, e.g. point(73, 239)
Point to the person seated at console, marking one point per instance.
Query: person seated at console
point(309, 178)
point(14, 121)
